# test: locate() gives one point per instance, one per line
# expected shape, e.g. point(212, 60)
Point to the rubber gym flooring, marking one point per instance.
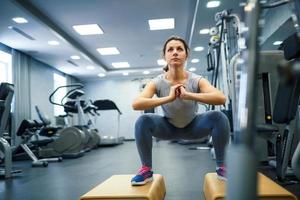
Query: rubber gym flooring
point(183, 170)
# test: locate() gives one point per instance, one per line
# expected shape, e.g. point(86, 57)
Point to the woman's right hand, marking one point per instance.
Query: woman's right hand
point(174, 91)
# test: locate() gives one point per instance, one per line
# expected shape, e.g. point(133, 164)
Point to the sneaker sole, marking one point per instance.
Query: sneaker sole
point(142, 183)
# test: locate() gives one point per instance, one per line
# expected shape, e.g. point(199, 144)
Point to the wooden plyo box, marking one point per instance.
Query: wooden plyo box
point(215, 189)
point(119, 187)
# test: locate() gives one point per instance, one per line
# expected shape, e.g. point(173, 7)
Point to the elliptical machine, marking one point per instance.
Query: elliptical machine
point(70, 141)
point(75, 105)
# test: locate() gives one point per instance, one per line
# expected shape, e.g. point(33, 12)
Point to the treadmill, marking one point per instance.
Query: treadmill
point(106, 104)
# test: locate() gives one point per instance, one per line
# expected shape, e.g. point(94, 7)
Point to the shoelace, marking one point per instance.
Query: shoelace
point(144, 169)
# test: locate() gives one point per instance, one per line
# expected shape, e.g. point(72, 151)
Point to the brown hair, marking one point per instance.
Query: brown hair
point(186, 47)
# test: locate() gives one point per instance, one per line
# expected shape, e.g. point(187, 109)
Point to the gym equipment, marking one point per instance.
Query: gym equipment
point(26, 130)
point(284, 112)
point(46, 129)
point(241, 155)
point(6, 95)
point(109, 105)
point(119, 187)
point(76, 106)
point(285, 109)
point(215, 189)
point(90, 110)
point(70, 141)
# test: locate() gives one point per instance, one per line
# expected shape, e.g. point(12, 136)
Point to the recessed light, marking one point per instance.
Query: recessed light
point(108, 51)
point(125, 73)
point(192, 69)
point(277, 43)
point(53, 43)
point(90, 67)
point(75, 57)
point(213, 4)
point(161, 62)
point(199, 48)
point(20, 20)
point(161, 24)
point(195, 60)
point(101, 75)
point(204, 31)
point(120, 64)
point(88, 29)
point(146, 72)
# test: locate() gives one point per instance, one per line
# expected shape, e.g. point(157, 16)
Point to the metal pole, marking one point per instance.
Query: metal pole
point(241, 157)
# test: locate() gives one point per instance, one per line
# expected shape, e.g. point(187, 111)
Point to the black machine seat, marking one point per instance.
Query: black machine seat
point(106, 104)
point(43, 142)
point(46, 130)
point(27, 128)
point(28, 125)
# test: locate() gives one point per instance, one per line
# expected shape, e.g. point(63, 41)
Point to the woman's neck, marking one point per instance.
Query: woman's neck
point(177, 75)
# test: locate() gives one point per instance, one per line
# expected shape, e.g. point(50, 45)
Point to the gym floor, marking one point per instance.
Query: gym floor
point(183, 170)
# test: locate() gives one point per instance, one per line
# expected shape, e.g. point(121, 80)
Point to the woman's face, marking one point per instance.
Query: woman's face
point(175, 53)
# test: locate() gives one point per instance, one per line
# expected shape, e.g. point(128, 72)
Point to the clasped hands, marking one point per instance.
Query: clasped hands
point(178, 91)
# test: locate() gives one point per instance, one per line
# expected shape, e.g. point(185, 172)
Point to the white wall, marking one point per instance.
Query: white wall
point(122, 92)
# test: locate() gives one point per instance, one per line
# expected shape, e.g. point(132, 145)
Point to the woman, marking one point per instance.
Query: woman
point(178, 93)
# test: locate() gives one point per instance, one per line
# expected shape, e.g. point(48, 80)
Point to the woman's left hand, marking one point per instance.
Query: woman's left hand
point(183, 94)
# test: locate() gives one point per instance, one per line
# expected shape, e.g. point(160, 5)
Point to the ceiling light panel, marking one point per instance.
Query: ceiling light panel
point(199, 48)
point(53, 43)
point(75, 57)
point(195, 60)
point(213, 4)
point(277, 43)
point(161, 24)
point(88, 29)
point(108, 51)
point(204, 31)
point(101, 75)
point(161, 62)
point(120, 64)
point(192, 69)
point(20, 20)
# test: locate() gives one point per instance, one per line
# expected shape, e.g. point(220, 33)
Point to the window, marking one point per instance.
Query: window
point(58, 81)
point(5, 67)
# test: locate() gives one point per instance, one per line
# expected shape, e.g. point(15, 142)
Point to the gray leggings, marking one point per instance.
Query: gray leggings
point(211, 122)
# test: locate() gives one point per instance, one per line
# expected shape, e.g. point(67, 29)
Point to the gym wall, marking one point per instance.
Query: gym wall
point(122, 92)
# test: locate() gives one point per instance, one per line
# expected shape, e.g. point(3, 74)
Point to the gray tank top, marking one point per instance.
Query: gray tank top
point(179, 112)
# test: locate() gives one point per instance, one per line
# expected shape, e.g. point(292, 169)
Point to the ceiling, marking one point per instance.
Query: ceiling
point(125, 26)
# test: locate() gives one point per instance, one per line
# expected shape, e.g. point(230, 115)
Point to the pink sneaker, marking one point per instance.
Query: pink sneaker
point(144, 176)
